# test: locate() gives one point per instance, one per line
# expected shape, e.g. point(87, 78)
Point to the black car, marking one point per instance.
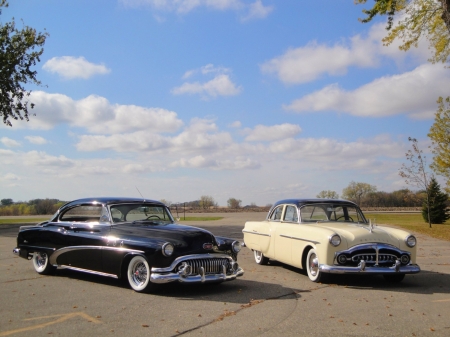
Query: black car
point(134, 239)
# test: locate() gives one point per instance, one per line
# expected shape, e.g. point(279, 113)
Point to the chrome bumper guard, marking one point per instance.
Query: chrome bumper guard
point(166, 275)
point(362, 268)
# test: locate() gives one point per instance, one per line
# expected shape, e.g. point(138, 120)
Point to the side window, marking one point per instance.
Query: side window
point(291, 214)
point(276, 213)
point(84, 213)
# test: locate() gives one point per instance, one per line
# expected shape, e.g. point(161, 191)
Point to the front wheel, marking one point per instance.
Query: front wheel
point(312, 266)
point(259, 257)
point(41, 263)
point(138, 274)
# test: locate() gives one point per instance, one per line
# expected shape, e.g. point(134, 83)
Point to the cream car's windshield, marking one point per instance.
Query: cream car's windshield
point(331, 212)
point(140, 212)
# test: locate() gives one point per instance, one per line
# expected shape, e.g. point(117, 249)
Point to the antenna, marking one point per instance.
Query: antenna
point(139, 192)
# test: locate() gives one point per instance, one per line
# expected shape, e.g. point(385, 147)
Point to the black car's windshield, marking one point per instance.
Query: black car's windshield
point(140, 212)
point(331, 212)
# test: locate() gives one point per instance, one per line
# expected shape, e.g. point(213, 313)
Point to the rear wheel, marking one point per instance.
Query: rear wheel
point(259, 257)
point(41, 263)
point(312, 266)
point(138, 275)
point(394, 278)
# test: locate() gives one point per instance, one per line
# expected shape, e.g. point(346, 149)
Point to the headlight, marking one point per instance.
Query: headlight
point(167, 249)
point(236, 246)
point(411, 241)
point(335, 240)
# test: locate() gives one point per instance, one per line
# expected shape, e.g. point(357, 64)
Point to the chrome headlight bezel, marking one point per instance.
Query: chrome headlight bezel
point(335, 240)
point(236, 246)
point(167, 249)
point(411, 241)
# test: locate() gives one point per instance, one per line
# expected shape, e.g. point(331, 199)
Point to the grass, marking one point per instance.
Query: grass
point(21, 220)
point(412, 222)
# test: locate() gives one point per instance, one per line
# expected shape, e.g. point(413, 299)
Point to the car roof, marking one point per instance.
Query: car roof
point(301, 202)
point(109, 201)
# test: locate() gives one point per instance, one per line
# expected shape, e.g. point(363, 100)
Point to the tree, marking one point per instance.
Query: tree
point(356, 191)
point(436, 211)
point(207, 201)
point(327, 195)
point(418, 18)
point(20, 50)
point(440, 137)
point(416, 173)
point(6, 202)
point(234, 203)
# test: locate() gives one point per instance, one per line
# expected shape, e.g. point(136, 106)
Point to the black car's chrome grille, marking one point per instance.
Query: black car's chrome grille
point(372, 254)
point(210, 266)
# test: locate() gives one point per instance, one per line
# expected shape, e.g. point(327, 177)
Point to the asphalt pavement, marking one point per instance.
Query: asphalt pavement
point(272, 300)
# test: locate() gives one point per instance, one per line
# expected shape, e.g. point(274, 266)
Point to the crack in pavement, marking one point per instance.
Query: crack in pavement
point(243, 307)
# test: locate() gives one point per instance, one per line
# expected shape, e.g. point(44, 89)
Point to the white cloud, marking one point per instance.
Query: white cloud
point(8, 142)
point(271, 133)
point(253, 10)
point(97, 115)
point(221, 85)
point(70, 67)
point(11, 177)
point(42, 159)
point(413, 93)
point(235, 125)
point(257, 10)
point(310, 62)
point(36, 140)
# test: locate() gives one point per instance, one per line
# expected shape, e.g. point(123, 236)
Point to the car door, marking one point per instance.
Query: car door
point(283, 234)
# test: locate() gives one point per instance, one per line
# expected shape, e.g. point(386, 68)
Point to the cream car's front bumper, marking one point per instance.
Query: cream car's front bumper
point(363, 268)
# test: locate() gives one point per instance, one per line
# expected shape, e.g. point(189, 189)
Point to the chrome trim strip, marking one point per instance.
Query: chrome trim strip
point(190, 257)
point(295, 238)
point(372, 246)
point(88, 271)
point(409, 269)
point(256, 233)
point(63, 250)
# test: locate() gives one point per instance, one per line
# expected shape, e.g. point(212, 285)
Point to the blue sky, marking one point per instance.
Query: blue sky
point(252, 99)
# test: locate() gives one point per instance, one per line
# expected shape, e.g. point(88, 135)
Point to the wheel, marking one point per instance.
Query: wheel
point(312, 266)
point(41, 263)
point(343, 216)
point(260, 258)
point(394, 278)
point(138, 274)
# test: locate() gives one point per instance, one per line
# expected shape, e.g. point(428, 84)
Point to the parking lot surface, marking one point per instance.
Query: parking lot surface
point(270, 300)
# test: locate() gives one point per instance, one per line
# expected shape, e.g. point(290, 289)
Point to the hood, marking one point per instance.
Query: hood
point(186, 239)
point(356, 234)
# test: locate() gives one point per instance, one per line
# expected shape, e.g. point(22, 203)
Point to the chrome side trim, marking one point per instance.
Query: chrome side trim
point(295, 238)
point(190, 257)
point(60, 251)
point(256, 233)
point(89, 271)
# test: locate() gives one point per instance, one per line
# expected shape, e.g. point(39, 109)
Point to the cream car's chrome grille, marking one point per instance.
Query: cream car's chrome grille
point(210, 266)
point(373, 254)
point(373, 257)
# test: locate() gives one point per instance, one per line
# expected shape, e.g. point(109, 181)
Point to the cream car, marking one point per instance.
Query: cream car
point(327, 236)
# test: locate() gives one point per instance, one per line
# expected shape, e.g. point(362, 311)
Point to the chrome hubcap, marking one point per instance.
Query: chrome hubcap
point(41, 258)
point(139, 273)
point(313, 264)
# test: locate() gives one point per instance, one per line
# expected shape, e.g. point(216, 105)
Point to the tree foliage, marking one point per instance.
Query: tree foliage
point(436, 211)
point(20, 50)
point(417, 18)
point(234, 203)
point(327, 195)
point(207, 201)
point(440, 137)
point(416, 172)
point(356, 191)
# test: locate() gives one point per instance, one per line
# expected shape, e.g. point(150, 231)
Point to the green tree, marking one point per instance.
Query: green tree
point(429, 19)
point(416, 172)
point(440, 137)
point(327, 195)
point(436, 212)
point(234, 203)
point(356, 191)
point(207, 201)
point(6, 202)
point(20, 50)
